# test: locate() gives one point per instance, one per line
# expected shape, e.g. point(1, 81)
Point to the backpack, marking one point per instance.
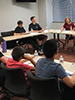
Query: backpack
point(3, 96)
point(29, 48)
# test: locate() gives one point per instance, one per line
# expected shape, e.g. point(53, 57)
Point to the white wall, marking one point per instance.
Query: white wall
point(42, 13)
point(11, 12)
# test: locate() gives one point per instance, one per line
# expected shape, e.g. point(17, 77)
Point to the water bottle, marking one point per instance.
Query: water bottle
point(46, 27)
point(73, 65)
point(61, 59)
point(36, 56)
point(4, 47)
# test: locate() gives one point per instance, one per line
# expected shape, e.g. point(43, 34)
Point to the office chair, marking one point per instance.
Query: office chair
point(15, 83)
point(68, 93)
point(10, 44)
point(43, 89)
point(5, 34)
point(71, 38)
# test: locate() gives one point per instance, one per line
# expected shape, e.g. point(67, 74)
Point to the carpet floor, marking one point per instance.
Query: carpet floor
point(67, 55)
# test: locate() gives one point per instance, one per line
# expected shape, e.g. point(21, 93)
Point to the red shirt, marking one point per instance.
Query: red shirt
point(15, 64)
point(67, 26)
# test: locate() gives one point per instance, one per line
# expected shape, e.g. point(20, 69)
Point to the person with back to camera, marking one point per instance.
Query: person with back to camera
point(68, 25)
point(16, 61)
point(47, 68)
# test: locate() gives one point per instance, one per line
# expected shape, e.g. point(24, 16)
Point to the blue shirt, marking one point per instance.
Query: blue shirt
point(46, 68)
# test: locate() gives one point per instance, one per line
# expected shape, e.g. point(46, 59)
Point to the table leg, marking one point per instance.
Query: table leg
point(54, 35)
point(60, 40)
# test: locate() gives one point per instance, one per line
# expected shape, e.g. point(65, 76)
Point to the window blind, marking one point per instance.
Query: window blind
point(61, 10)
point(73, 10)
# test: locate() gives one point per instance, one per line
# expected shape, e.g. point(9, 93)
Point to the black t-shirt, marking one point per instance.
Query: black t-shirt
point(19, 30)
point(1, 55)
point(35, 27)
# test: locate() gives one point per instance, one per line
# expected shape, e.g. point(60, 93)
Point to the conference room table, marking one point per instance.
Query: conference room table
point(67, 65)
point(29, 34)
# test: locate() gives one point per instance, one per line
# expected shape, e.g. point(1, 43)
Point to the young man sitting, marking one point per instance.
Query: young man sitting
point(35, 27)
point(15, 61)
point(19, 30)
point(47, 68)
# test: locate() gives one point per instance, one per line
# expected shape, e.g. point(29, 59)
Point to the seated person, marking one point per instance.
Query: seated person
point(19, 30)
point(47, 68)
point(15, 61)
point(68, 25)
point(3, 59)
point(35, 27)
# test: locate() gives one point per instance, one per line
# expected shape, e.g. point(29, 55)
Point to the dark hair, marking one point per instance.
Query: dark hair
point(1, 39)
point(18, 52)
point(50, 48)
point(32, 18)
point(19, 22)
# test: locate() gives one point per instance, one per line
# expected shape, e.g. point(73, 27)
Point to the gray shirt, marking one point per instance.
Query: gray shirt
point(46, 68)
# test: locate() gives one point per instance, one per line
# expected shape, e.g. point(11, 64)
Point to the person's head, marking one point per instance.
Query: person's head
point(20, 23)
point(1, 40)
point(33, 19)
point(18, 53)
point(50, 48)
point(67, 20)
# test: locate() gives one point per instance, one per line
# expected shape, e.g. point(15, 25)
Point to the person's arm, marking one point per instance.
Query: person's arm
point(40, 28)
point(62, 29)
point(73, 27)
point(37, 31)
point(70, 82)
point(3, 59)
point(24, 31)
point(60, 72)
point(30, 59)
point(23, 60)
point(29, 28)
point(16, 34)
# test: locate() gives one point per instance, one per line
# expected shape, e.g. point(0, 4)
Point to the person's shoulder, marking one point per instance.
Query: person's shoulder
point(65, 24)
point(30, 24)
point(72, 23)
point(37, 23)
point(58, 65)
point(22, 27)
point(40, 60)
point(17, 27)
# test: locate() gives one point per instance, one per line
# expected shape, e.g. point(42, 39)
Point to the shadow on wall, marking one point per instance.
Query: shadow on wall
point(21, 4)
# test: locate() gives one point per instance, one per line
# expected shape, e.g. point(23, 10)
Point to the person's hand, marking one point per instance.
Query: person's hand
point(18, 34)
point(40, 31)
point(43, 29)
point(23, 33)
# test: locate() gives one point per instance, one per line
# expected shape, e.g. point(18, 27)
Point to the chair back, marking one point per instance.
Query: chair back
point(43, 89)
point(5, 34)
point(15, 80)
